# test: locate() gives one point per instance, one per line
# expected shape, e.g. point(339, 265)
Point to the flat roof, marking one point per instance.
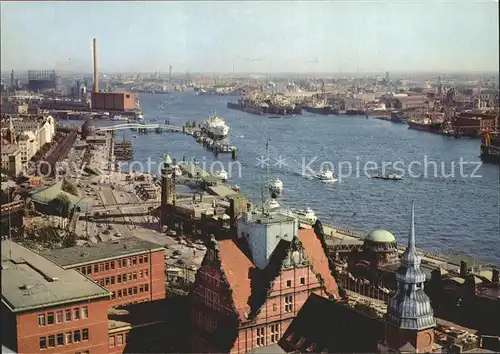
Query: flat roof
point(271, 218)
point(90, 253)
point(30, 281)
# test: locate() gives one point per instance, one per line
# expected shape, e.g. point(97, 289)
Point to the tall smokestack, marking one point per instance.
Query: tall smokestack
point(96, 80)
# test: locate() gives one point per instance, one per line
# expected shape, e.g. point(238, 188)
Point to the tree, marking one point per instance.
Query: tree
point(61, 205)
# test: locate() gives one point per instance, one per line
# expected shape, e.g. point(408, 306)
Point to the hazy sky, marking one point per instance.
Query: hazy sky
point(345, 36)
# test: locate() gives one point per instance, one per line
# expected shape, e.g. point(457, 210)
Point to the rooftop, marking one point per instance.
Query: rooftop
point(243, 276)
point(73, 256)
point(272, 218)
point(48, 194)
point(30, 281)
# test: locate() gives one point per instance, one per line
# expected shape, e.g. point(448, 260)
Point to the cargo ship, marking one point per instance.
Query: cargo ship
point(426, 126)
point(319, 108)
point(490, 147)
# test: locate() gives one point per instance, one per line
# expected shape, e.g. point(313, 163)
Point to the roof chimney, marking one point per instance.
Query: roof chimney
point(96, 80)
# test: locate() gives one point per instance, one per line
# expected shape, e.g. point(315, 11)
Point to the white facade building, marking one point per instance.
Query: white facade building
point(264, 231)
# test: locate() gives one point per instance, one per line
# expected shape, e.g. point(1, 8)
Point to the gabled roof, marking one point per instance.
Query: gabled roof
point(249, 285)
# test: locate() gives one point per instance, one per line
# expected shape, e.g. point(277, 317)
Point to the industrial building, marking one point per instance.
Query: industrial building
point(42, 81)
point(109, 101)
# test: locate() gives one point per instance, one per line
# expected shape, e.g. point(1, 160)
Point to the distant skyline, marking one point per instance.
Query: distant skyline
point(279, 36)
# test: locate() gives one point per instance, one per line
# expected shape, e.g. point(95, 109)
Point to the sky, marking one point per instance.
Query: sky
point(274, 36)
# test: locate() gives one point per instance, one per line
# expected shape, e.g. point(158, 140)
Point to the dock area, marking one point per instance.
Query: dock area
point(192, 170)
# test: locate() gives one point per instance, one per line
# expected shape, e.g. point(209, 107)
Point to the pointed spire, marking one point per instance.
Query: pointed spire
point(411, 239)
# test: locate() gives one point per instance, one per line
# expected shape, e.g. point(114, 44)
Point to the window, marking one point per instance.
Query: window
point(112, 265)
point(113, 295)
point(134, 261)
point(134, 275)
point(274, 330)
point(85, 312)
point(302, 281)
point(124, 263)
point(50, 318)
point(85, 334)
point(129, 262)
point(145, 273)
point(67, 315)
point(106, 266)
point(76, 336)
point(119, 293)
point(129, 276)
point(76, 314)
point(288, 303)
point(135, 290)
point(41, 320)
point(145, 259)
point(106, 281)
point(260, 337)
point(141, 274)
point(43, 343)
point(119, 339)
point(119, 278)
point(288, 283)
point(89, 269)
point(140, 259)
point(112, 280)
point(101, 267)
point(141, 289)
point(60, 339)
point(96, 268)
point(59, 316)
point(69, 338)
point(129, 291)
point(146, 287)
point(112, 341)
point(101, 282)
point(275, 307)
point(52, 341)
point(83, 271)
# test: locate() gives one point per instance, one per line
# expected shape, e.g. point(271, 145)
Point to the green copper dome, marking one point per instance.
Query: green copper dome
point(380, 236)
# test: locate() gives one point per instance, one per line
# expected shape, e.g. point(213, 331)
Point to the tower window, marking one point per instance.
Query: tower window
point(288, 303)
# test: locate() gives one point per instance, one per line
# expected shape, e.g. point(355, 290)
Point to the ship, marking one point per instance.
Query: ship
point(426, 126)
point(398, 117)
point(490, 147)
point(319, 108)
point(215, 127)
point(248, 106)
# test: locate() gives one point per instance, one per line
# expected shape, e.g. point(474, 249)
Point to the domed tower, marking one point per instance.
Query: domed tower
point(168, 193)
point(410, 318)
point(380, 247)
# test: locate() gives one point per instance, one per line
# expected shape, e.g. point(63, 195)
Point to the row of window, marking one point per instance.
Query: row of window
point(273, 334)
point(302, 282)
point(119, 263)
point(116, 340)
point(59, 317)
point(61, 339)
point(211, 299)
point(131, 291)
point(123, 278)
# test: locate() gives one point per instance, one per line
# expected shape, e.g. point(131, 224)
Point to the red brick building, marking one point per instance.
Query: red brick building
point(249, 289)
point(48, 308)
point(132, 269)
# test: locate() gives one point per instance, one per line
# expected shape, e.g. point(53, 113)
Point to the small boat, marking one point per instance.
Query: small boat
point(272, 205)
point(274, 117)
point(391, 177)
point(276, 185)
point(222, 174)
point(307, 215)
point(326, 176)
